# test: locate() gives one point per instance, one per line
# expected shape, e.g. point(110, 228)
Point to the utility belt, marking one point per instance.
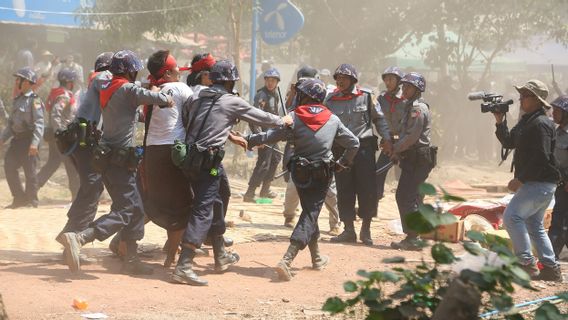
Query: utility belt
point(422, 154)
point(77, 134)
point(125, 157)
point(369, 142)
point(192, 162)
point(304, 171)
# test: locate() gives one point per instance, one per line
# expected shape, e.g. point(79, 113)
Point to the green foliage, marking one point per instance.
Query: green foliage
point(419, 291)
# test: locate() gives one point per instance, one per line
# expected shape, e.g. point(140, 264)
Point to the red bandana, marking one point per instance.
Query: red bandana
point(313, 116)
point(346, 97)
point(107, 92)
point(392, 100)
point(169, 64)
point(205, 63)
point(54, 94)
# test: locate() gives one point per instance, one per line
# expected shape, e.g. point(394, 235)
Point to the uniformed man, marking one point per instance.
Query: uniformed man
point(84, 207)
point(61, 107)
point(266, 99)
point(118, 159)
point(392, 105)
point(313, 132)
point(413, 152)
point(211, 117)
point(357, 110)
point(25, 127)
point(291, 198)
point(558, 232)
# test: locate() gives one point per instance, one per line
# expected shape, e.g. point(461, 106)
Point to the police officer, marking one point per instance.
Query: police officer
point(558, 232)
point(314, 131)
point(413, 152)
point(266, 99)
point(25, 127)
point(118, 160)
point(212, 115)
point(62, 108)
point(291, 198)
point(84, 207)
point(357, 110)
point(392, 105)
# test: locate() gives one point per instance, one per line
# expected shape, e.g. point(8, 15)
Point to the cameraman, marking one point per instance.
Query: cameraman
point(534, 181)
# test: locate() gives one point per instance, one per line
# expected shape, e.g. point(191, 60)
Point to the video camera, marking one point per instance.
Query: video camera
point(492, 102)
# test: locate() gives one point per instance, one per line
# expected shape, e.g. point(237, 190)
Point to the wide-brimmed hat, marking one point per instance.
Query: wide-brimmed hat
point(538, 88)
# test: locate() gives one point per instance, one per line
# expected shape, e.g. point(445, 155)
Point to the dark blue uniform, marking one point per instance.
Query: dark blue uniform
point(413, 151)
point(25, 127)
point(84, 208)
point(268, 159)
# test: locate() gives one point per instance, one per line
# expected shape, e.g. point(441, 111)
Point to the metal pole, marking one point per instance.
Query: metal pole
point(252, 81)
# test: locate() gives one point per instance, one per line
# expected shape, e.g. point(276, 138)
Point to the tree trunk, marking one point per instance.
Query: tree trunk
point(461, 302)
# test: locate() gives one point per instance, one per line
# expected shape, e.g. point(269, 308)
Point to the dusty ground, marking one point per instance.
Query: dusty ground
point(35, 285)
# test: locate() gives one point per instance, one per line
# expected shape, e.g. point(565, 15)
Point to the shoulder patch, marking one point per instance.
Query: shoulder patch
point(415, 112)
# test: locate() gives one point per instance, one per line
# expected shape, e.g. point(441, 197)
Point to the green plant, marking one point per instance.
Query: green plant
point(419, 291)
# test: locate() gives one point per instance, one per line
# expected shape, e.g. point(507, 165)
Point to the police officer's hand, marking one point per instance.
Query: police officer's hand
point(514, 185)
point(499, 117)
point(386, 146)
point(394, 158)
point(171, 102)
point(238, 140)
point(288, 121)
point(33, 151)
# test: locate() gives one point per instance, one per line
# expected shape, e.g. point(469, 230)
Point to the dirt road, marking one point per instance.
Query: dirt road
point(35, 285)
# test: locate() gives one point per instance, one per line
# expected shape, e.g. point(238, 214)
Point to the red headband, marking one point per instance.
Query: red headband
point(205, 63)
point(169, 64)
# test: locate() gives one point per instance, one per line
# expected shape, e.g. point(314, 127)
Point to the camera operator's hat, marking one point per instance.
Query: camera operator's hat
point(538, 88)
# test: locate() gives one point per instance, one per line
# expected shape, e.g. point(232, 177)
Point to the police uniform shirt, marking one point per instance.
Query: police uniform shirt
point(561, 151)
point(393, 107)
point(416, 127)
point(62, 112)
point(26, 117)
point(352, 110)
point(120, 114)
point(90, 107)
point(312, 145)
point(166, 123)
point(265, 101)
point(224, 114)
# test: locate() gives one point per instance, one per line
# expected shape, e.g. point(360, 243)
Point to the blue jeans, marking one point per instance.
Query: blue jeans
point(523, 219)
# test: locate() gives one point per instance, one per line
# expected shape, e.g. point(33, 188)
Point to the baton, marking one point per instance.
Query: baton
point(274, 149)
point(552, 69)
point(282, 102)
point(280, 174)
point(384, 168)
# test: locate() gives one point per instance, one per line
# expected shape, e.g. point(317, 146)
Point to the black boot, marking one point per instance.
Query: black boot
point(132, 264)
point(183, 272)
point(223, 259)
point(284, 267)
point(348, 234)
point(365, 234)
point(249, 195)
point(73, 242)
point(410, 243)
point(265, 191)
point(318, 261)
point(550, 274)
